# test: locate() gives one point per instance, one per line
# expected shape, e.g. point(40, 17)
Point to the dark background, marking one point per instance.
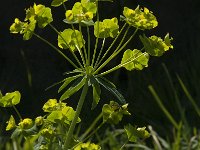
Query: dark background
point(19, 58)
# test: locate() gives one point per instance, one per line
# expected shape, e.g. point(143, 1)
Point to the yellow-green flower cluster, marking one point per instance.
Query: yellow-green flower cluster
point(39, 121)
point(113, 112)
point(156, 46)
point(36, 14)
point(106, 28)
point(81, 11)
point(47, 132)
point(26, 123)
point(10, 123)
point(58, 111)
point(87, 146)
point(140, 18)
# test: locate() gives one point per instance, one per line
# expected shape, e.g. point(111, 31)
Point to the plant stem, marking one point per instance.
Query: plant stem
point(64, 6)
point(66, 44)
point(115, 53)
point(78, 46)
point(122, 40)
point(111, 45)
point(120, 65)
point(97, 39)
point(85, 52)
point(18, 114)
point(88, 34)
point(69, 134)
point(102, 46)
point(56, 49)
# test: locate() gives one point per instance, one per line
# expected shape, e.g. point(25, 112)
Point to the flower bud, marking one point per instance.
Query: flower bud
point(26, 123)
point(39, 121)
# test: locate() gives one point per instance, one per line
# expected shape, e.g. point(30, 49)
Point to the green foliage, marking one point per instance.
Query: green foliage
point(36, 14)
point(10, 99)
point(82, 12)
point(11, 123)
point(139, 18)
point(74, 88)
point(70, 39)
point(134, 134)
point(55, 130)
point(155, 46)
point(111, 88)
point(39, 13)
point(96, 92)
point(138, 59)
point(88, 146)
point(107, 28)
point(57, 3)
point(113, 112)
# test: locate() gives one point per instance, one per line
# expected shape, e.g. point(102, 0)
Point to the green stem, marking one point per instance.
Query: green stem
point(111, 45)
point(88, 33)
point(97, 39)
point(69, 134)
point(85, 52)
point(56, 49)
point(78, 46)
point(102, 46)
point(18, 114)
point(115, 53)
point(64, 6)
point(67, 45)
point(122, 40)
point(130, 60)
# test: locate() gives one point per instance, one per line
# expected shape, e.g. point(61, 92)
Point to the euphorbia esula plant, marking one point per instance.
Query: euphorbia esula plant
point(88, 62)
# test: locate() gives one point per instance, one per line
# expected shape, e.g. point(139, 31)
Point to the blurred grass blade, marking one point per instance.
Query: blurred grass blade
point(29, 76)
point(166, 112)
point(189, 96)
point(158, 141)
point(177, 100)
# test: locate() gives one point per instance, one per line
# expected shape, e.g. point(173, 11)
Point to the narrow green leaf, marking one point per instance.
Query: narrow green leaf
point(163, 108)
point(190, 98)
point(67, 81)
point(107, 85)
point(16, 133)
point(74, 88)
point(55, 84)
point(96, 92)
point(73, 72)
